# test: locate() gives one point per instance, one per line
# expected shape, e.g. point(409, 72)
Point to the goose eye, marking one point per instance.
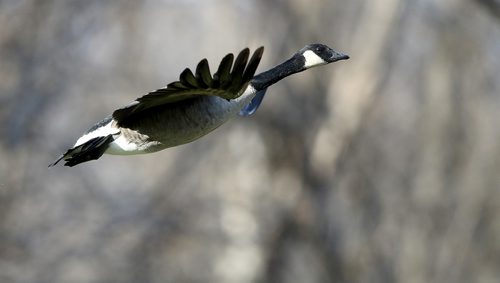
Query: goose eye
point(320, 49)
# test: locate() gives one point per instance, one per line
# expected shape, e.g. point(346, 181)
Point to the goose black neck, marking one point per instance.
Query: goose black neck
point(283, 70)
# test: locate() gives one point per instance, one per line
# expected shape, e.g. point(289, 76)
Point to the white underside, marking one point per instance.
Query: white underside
point(121, 146)
point(99, 132)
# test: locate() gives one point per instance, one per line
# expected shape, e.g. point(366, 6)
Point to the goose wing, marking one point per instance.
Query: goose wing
point(228, 82)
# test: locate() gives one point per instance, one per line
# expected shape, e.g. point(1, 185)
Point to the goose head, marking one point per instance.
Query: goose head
point(311, 55)
point(317, 54)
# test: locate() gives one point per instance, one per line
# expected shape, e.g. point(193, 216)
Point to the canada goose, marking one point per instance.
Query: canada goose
point(190, 108)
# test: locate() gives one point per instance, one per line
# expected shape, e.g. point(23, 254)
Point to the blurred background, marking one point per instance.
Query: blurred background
point(382, 168)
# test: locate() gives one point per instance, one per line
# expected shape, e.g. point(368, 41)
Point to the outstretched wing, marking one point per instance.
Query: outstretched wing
point(228, 82)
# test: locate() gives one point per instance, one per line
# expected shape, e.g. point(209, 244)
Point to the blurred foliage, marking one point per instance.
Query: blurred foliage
point(382, 168)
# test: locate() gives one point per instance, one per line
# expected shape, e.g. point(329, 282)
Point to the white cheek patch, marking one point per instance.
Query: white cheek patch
point(312, 59)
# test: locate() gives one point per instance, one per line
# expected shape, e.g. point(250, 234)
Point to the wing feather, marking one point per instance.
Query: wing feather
point(226, 83)
point(253, 64)
point(188, 79)
point(237, 72)
point(203, 74)
point(223, 73)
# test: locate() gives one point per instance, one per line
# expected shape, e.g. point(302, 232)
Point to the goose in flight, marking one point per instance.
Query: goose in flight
point(191, 107)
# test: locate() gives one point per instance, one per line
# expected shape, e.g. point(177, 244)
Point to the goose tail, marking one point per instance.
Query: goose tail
point(90, 150)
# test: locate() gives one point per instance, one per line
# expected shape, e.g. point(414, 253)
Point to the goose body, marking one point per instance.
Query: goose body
point(192, 107)
point(168, 126)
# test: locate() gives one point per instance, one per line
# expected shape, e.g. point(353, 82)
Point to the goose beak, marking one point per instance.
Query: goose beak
point(337, 56)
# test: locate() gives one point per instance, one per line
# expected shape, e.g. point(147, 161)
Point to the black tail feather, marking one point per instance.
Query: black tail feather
point(90, 150)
